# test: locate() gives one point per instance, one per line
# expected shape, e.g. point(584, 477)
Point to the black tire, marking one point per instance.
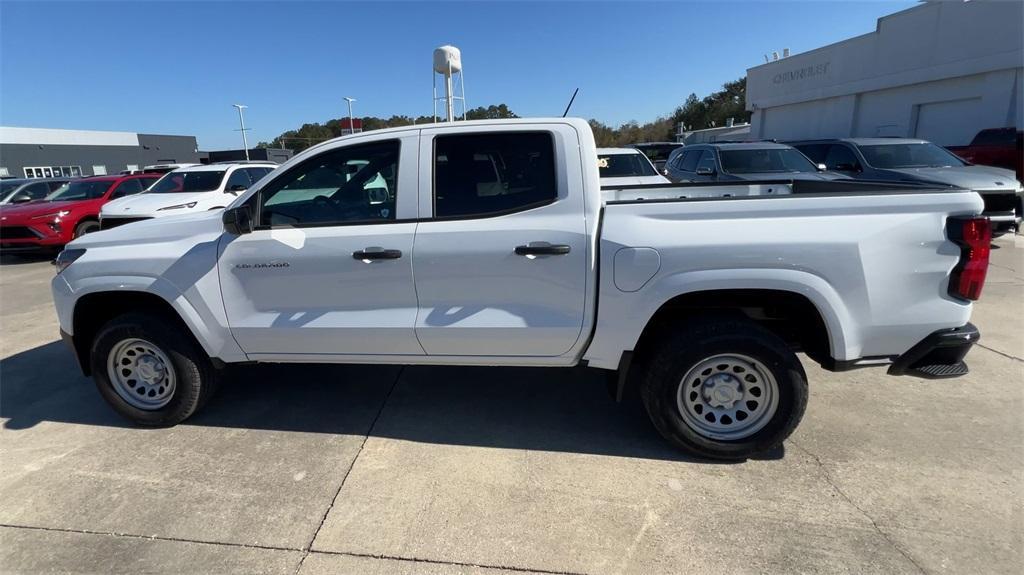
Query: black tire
point(86, 227)
point(689, 345)
point(196, 379)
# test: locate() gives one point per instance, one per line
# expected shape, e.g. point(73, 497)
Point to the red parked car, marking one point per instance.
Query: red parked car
point(999, 147)
point(70, 211)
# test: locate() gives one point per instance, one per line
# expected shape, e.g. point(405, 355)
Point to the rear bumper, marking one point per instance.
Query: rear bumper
point(938, 356)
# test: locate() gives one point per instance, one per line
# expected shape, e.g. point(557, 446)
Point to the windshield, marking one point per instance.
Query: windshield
point(176, 182)
point(922, 155)
point(80, 191)
point(658, 152)
point(624, 165)
point(765, 160)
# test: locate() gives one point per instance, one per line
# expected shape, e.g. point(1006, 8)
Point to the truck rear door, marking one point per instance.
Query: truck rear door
point(500, 260)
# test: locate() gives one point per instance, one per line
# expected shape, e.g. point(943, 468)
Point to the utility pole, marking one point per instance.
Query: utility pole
point(241, 121)
point(351, 124)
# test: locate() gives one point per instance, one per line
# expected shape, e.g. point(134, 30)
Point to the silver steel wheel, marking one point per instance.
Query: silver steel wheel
point(141, 374)
point(728, 397)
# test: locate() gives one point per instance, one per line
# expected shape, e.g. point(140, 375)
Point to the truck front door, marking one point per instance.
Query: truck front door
point(501, 260)
point(328, 268)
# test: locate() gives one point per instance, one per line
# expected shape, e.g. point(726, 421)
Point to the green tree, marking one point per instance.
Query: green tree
point(490, 113)
point(311, 134)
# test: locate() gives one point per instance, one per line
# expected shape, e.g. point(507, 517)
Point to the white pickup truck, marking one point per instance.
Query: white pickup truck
point(492, 243)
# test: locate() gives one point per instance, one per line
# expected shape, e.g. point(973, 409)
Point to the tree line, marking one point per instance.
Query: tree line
point(311, 134)
point(695, 113)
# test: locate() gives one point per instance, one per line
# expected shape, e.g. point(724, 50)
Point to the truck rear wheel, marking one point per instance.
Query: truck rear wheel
point(724, 388)
point(150, 372)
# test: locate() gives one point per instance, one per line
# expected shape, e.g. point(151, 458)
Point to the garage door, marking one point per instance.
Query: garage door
point(949, 123)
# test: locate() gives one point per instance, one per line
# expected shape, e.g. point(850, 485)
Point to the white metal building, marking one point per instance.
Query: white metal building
point(940, 71)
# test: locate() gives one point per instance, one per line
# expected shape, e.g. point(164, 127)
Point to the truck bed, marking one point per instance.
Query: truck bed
point(864, 254)
point(760, 189)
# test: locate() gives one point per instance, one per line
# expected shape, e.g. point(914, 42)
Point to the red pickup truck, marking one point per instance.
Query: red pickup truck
point(1000, 147)
point(69, 212)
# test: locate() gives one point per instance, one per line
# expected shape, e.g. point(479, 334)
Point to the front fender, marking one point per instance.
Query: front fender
point(199, 316)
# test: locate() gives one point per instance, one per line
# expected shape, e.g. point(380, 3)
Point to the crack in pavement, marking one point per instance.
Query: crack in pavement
point(1004, 354)
point(287, 549)
point(874, 524)
point(454, 563)
point(359, 452)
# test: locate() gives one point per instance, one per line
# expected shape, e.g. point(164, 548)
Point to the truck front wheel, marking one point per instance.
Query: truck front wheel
point(150, 372)
point(724, 388)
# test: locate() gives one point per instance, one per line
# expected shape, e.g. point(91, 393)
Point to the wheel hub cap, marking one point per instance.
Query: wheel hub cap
point(141, 374)
point(727, 397)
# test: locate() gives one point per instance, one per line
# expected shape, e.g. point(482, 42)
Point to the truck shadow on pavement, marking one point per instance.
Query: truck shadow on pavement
point(562, 410)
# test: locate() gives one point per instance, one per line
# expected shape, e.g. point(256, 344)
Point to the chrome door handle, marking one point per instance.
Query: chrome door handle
point(543, 250)
point(375, 253)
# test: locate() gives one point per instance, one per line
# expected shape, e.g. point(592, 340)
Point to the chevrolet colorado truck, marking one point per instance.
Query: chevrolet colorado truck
point(493, 243)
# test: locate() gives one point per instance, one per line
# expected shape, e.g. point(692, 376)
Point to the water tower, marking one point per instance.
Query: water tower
point(448, 63)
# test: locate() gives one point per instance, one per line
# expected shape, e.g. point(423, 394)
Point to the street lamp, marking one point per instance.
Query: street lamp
point(351, 123)
point(241, 121)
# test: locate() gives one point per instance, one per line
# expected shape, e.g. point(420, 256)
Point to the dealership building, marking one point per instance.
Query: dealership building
point(43, 152)
point(940, 71)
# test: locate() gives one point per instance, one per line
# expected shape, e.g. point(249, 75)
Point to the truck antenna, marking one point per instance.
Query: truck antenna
point(571, 100)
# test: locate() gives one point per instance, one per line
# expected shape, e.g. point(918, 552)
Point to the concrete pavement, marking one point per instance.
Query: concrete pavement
point(359, 469)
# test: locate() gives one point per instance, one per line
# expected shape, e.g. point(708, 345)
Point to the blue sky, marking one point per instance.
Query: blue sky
point(176, 67)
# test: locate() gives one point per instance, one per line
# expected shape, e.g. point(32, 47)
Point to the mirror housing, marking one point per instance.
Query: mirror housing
point(705, 171)
point(235, 189)
point(822, 168)
point(21, 198)
point(237, 220)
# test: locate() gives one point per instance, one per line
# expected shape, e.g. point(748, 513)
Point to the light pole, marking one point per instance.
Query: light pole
point(351, 123)
point(241, 121)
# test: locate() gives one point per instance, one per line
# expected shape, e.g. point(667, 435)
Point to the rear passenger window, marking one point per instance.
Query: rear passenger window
point(690, 158)
point(127, 188)
point(489, 174)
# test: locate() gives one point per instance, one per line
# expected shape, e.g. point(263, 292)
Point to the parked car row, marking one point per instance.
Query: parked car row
point(909, 159)
point(879, 159)
point(49, 213)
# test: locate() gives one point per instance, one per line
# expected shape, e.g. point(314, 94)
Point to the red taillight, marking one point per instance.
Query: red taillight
point(974, 236)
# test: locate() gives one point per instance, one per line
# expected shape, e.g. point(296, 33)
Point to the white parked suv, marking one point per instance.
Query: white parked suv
point(626, 167)
point(493, 243)
point(189, 189)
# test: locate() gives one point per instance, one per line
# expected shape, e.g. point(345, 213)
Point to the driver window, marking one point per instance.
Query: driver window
point(707, 160)
point(346, 185)
point(841, 158)
point(238, 178)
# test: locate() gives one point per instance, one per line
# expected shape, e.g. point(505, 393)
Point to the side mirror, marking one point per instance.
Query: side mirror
point(822, 167)
point(21, 198)
point(237, 188)
point(705, 171)
point(237, 220)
